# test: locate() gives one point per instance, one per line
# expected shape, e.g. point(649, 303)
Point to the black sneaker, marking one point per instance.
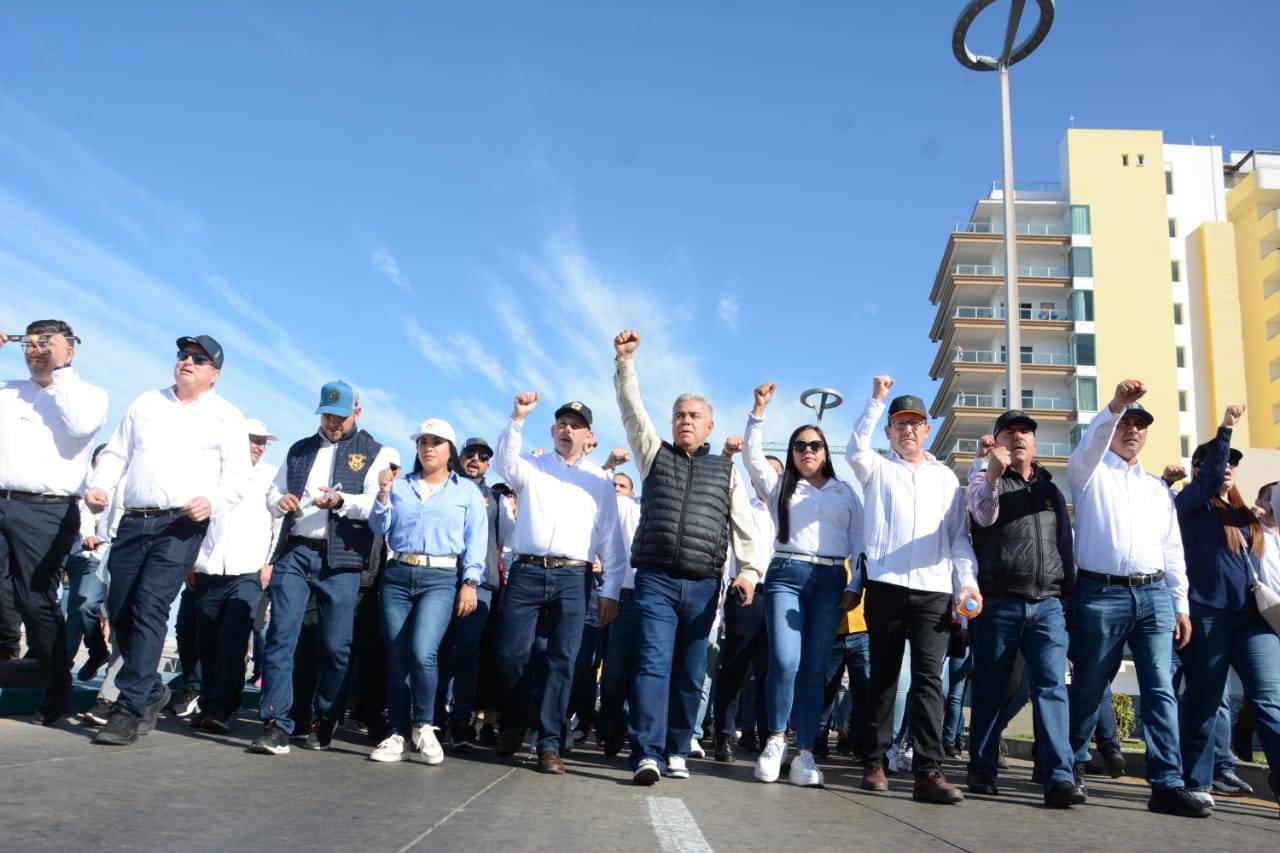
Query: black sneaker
point(983, 783)
point(724, 748)
point(187, 703)
point(1064, 795)
point(211, 723)
point(320, 735)
point(99, 713)
point(273, 741)
point(462, 735)
point(487, 736)
point(1177, 801)
point(90, 669)
point(844, 746)
point(822, 746)
point(121, 728)
point(147, 721)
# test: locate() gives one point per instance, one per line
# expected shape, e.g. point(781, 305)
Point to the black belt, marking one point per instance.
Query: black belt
point(1121, 580)
point(36, 497)
point(153, 513)
point(551, 562)
point(307, 542)
point(626, 595)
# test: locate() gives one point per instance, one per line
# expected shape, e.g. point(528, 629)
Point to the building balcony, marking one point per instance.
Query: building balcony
point(1049, 448)
point(993, 319)
point(1022, 228)
point(952, 275)
point(987, 362)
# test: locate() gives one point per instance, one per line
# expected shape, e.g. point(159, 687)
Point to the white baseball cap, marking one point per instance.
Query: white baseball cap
point(257, 427)
point(436, 427)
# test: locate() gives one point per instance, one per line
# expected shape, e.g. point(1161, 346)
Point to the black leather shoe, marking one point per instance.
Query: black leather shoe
point(1064, 795)
point(510, 741)
point(90, 669)
point(1178, 802)
point(981, 783)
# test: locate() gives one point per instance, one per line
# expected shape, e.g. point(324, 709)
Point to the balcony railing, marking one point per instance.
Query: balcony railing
point(1023, 272)
point(986, 356)
point(1022, 228)
point(989, 401)
point(1048, 448)
point(986, 312)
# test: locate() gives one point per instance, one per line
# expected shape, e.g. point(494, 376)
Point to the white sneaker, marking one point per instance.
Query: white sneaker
point(908, 755)
point(804, 771)
point(769, 764)
point(894, 758)
point(676, 768)
point(391, 749)
point(424, 740)
point(695, 749)
point(1203, 796)
point(646, 772)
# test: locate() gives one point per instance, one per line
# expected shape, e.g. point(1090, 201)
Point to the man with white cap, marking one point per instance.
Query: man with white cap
point(324, 492)
point(179, 458)
point(226, 582)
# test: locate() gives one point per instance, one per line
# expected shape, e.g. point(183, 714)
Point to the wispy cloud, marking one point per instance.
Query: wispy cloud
point(728, 311)
point(385, 264)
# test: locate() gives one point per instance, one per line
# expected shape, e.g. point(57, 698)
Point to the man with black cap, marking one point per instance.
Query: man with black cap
point(1131, 587)
point(183, 456)
point(48, 424)
point(324, 492)
point(568, 516)
point(918, 557)
point(460, 649)
point(1022, 539)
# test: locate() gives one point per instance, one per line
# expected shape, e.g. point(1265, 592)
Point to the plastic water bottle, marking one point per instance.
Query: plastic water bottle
point(967, 608)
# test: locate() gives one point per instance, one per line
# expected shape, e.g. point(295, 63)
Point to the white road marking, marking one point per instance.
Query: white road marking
point(452, 812)
point(675, 827)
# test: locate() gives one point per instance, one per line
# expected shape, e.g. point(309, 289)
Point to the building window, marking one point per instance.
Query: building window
point(1168, 181)
point(1087, 393)
point(1181, 353)
point(1124, 159)
point(1079, 219)
point(1081, 259)
point(1185, 440)
point(1173, 228)
point(1182, 401)
point(1142, 159)
point(1175, 269)
point(1082, 306)
point(1082, 349)
point(1177, 313)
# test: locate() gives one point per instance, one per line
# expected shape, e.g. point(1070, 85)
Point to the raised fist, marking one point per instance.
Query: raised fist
point(626, 342)
point(526, 402)
point(880, 386)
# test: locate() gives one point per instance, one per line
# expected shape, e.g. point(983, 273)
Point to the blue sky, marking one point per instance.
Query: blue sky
point(447, 204)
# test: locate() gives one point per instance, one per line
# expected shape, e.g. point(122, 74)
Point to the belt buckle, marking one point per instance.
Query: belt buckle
point(412, 559)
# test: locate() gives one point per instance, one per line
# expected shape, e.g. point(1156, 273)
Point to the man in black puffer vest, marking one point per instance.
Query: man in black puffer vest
point(325, 491)
point(691, 504)
point(1022, 537)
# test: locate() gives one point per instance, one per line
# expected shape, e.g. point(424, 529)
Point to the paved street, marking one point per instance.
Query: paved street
point(177, 790)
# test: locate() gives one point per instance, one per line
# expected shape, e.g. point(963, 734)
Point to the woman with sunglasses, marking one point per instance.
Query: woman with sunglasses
point(1226, 550)
point(819, 523)
point(438, 530)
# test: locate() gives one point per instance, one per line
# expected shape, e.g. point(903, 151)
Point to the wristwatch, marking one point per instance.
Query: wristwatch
point(472, 583)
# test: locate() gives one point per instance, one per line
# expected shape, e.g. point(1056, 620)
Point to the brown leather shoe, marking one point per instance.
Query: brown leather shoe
point(933, 787)
point(873, 778)
point(549, 762)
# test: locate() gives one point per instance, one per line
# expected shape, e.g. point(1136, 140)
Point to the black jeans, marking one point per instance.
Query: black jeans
point(895, 616)
point(745, 644)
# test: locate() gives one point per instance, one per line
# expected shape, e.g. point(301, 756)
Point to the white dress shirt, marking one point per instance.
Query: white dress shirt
point(311, 522)
point(240, 541)
point(629, 518)
point(566, 509)
point(915, 527)
point(47, 434)
point(168, 452)
point(824, 522)
point(1126, 522)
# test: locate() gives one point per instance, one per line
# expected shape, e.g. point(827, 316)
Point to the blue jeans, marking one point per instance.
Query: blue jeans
point(958, 672)
point(676, 615)
point(417, 606)
point(299, 573)
point(558, 597)
point(619, 664)
point(149, 560)
point(1037, 629)
point(1242, 641)
point(460, 659)
point(85, 595)
point(802, 611)
point(224, 605)
point(847, 710)
point(1106, 618)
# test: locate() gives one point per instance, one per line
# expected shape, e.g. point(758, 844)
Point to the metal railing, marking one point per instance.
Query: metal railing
point(1054, 404)
point(986, 312)
point(1023, 272)
point(986, 356)
point(1048, 448)
point(1054, 229)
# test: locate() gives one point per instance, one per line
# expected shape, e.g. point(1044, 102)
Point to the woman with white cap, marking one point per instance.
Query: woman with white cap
point(437, 530)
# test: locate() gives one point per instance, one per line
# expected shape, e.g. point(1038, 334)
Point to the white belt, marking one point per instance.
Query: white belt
point(810, 558)
point(447, 561)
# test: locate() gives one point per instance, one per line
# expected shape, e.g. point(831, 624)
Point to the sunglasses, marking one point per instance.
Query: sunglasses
point(482, 455)
point(198, 359)
point(802, 446)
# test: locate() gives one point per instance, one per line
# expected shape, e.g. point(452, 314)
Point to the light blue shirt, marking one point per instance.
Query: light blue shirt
point(452, 521)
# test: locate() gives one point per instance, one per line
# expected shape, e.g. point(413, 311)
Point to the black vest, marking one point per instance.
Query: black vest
point(350, 541)
point(490, 558)
point(684, 514)
point(1018, 555)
